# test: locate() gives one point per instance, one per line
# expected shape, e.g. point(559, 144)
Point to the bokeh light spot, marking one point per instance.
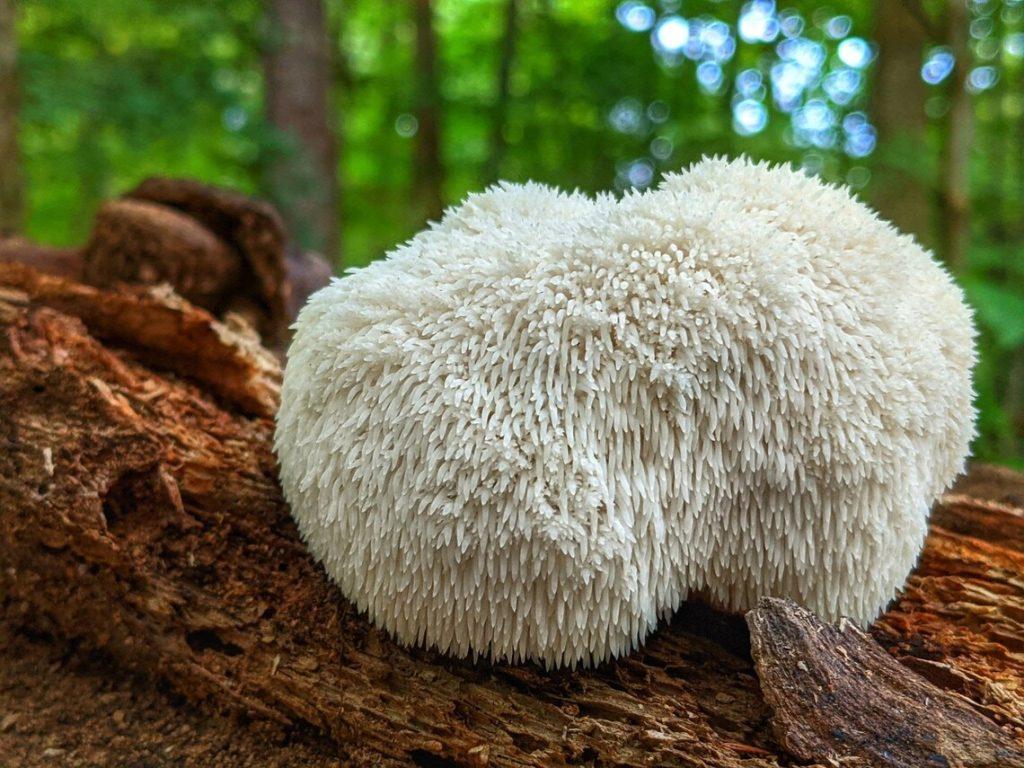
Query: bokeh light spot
point(855, 52)
point(671, 34)
point(406, 125)
point(758, 23)
point(937, 66)
point(982, 78)
point(635, 16)
point(749, 117)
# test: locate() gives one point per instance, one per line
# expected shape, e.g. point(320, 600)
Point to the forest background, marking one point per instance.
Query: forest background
point(362, 120)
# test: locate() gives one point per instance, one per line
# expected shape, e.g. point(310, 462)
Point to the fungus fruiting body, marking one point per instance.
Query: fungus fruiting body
point(535, 428)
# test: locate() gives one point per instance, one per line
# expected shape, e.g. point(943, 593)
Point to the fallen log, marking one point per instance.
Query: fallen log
point(165, 331)
point(140, 515)
point(66, 262)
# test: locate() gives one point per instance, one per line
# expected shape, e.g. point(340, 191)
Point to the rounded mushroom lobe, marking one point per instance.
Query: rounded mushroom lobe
point(531, 431)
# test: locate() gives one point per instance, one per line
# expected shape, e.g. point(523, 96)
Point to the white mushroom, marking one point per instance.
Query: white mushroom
point(535, 428)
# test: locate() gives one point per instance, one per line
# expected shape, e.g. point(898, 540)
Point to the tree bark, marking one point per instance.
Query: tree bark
point(12, 190)
point(428, 171)
point(297, 70)
point(827, 686)
point(900, 189)
point(140, 515)
point(956, 181)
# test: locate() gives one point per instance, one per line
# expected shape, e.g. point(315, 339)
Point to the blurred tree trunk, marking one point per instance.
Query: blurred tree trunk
point(901, 192)
point(508, 54)
point(12, 193)
point(1013, 405)
point(428, 173)
point(956, 192)
point(1015, 171)
point(297, 68)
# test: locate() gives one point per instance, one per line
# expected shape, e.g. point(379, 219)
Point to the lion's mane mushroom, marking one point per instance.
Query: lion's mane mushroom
point(535, 428)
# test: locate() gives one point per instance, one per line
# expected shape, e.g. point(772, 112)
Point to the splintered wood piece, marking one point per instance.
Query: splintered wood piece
point(166, 331)
point(835, 694)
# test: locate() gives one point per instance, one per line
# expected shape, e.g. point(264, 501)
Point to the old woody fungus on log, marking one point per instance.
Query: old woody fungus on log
point(141, 523)
point(134, 241)
point(223, 251)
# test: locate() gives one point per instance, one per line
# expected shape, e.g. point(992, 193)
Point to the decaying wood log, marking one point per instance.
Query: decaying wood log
point(165, 331)
point(140, 515)
point(66, 262)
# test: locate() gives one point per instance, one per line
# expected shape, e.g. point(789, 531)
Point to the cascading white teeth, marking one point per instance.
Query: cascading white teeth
point(539, 424)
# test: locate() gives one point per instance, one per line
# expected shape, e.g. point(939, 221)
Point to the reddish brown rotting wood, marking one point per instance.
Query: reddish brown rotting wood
point(998, 485)
point(146, 243)
point(836, 695)
point(166, 331)
point(65, 262)
point(960, 619)
point(140, 515)
point(60, 707)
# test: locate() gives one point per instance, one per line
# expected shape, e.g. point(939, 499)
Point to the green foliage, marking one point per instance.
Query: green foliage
point(117, 90)
point(1000, 311)
point(120, 90)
